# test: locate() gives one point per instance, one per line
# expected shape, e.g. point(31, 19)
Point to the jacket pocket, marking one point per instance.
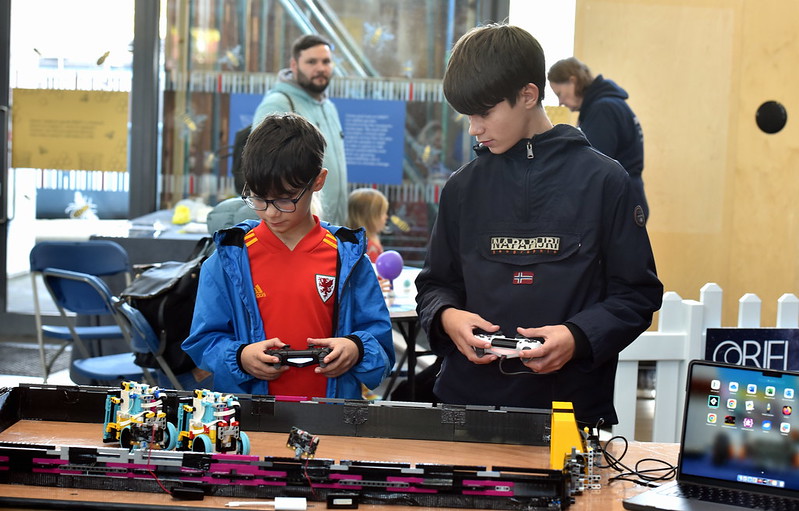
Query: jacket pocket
point(528, 247)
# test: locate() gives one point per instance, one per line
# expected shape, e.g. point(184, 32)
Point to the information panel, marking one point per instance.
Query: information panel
point(70, 129)
point(374, 135)
point(374, 138)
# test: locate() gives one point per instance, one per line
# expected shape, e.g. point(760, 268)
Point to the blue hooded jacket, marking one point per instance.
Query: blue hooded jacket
point(226, 315)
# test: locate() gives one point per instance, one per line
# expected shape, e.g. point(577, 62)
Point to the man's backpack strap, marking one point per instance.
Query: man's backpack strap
point(291, 103)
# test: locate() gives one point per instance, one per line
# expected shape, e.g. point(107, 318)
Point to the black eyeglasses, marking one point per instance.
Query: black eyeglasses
point(282, 205)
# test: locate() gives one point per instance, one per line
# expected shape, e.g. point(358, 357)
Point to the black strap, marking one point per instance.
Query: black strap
point(291, 103)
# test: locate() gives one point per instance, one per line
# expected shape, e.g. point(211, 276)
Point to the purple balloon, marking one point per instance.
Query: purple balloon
point(389, 264)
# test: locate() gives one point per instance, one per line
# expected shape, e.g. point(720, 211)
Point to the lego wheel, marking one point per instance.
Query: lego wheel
point(170, 437)
point(202, 443)
point(126, 438)
point(243, 443)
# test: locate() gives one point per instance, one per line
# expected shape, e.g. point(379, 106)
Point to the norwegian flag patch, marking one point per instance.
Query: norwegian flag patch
point(523, 277)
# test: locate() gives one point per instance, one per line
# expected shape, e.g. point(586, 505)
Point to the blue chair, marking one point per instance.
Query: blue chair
point(96, 257)
point(81, 293)
point(144, 340)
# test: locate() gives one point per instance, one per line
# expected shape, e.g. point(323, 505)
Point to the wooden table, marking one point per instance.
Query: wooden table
point(609, 497)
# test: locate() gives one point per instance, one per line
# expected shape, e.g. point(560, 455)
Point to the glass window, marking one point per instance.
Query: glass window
point(221, 57)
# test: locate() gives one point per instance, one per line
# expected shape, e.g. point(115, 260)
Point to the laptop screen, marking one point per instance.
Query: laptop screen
point(741, 426)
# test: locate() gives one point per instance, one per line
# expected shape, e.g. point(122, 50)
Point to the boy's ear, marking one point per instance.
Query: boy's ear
point(320, 180)
point(529, 95)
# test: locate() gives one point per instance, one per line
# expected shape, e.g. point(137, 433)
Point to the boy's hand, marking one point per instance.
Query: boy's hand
point(558, 348)
point(460, 325)
point(257, 363)
point(343, 355)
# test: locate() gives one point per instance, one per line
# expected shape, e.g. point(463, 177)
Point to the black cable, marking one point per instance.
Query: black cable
point(529, 371)
point(638, 475)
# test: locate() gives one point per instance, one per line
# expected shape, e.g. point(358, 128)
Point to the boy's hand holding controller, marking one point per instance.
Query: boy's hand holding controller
point(558, 348)
point(460, 325)
point(343, 355)
point(256, 361)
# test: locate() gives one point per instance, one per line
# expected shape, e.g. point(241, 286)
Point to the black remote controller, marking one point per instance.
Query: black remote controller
point(299, 358)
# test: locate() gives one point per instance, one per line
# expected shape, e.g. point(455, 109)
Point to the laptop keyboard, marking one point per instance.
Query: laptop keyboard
point(734, 497)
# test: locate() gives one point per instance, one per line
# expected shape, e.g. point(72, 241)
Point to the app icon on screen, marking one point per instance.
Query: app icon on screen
point(711, 418)
point(729, 420)
point(787, 410)
point(732, 403)
point(733, 386)
point(770, 391)
point(751, 388)
point(750, 405)
point(785, 427)
point(715, 384)
point(713, 401)
point(748, 422)
point(766, 425)
point(788, 393)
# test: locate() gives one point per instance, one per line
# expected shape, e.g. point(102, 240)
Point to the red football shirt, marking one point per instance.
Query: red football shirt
point(296, 294)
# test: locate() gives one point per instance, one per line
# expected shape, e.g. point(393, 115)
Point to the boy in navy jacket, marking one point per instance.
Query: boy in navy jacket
point(540, 236)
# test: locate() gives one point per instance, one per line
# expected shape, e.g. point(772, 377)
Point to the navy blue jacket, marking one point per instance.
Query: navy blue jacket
point(550, 240)
point(610, 124)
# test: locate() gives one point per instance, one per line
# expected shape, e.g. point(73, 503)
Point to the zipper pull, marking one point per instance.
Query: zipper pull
point(529, 149)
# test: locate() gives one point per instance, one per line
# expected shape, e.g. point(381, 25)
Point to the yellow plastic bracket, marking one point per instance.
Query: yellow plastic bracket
point(564, 434)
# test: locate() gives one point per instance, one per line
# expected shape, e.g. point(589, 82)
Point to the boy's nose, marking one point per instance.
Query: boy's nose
point(475, 128)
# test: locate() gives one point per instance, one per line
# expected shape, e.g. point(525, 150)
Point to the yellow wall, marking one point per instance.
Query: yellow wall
point(721, 192)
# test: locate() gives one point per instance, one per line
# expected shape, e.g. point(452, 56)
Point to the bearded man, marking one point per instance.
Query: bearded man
point(301, 89)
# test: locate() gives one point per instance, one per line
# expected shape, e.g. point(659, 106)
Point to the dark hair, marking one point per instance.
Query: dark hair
point(304, 42)
point(284, 153)
point(490, 64)
point(562, 70)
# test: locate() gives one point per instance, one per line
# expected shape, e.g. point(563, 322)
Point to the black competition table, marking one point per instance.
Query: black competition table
point(384, 433)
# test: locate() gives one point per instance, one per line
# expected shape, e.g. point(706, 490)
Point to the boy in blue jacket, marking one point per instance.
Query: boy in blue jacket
point(540, 235)
point(289, 280)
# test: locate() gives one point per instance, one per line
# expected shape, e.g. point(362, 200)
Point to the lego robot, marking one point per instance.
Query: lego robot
point(210, 424)
point(135, 418)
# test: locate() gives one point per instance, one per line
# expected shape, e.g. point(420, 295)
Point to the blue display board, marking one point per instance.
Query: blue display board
point(374, 139)
point(242, 108)
point(374, 135)
point(767, 348)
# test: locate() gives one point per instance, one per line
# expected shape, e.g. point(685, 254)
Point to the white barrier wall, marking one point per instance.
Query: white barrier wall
point(680, 337)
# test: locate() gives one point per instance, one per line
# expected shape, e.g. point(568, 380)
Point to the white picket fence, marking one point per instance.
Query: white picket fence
point(680, 337)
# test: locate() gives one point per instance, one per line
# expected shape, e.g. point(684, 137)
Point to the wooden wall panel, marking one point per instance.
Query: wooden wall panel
point(721, 192)
point(765, 234)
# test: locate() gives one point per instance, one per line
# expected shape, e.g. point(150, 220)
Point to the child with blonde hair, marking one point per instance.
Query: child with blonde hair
point(368, 208)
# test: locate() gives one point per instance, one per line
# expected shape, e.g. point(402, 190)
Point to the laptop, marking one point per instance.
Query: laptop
point(739, 446)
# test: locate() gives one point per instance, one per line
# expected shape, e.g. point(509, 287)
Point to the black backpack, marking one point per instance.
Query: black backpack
point(238, 148)
point(165, 294)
